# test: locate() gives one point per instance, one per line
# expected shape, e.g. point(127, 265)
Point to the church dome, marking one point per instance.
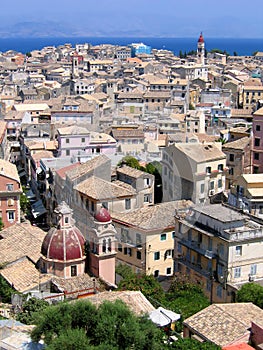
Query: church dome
point(201, 38)
point(103, 215)
point(63, 244)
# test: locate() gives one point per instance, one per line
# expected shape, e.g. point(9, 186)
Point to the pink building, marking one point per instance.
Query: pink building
point(80, 142)
point(10, 190)
point(257, 146)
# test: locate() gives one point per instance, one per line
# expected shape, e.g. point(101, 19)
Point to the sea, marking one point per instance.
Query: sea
point(239, 46)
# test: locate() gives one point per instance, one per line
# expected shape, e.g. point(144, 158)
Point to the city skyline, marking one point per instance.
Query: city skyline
point(167, 18)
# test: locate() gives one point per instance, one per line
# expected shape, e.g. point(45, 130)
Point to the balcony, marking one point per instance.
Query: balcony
point(199, 248)
point(197, 267)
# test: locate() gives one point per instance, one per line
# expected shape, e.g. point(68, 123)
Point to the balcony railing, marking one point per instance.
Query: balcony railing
point(199, 248)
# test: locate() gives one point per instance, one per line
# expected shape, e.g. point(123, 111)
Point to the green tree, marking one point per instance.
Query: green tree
point(185, 297)
point(131, 161)
point(1, 224)
point(6, 291)
point(251, 292)
point(71, 339)
point(30, 309)
point(112, 326)
point(192, 344)
point(24, 202)
point(147, 284)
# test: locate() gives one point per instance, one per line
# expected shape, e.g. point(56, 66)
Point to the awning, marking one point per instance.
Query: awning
point(162, 317)
point(30, 194)
point(38, 208)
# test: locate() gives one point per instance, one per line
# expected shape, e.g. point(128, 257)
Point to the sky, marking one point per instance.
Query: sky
point(164, 18)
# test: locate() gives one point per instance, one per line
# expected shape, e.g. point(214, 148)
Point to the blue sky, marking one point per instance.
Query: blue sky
point(176, 18)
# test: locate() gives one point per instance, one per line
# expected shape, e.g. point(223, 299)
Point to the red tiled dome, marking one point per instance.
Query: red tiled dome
point(63, 244)
point(103, 215)
point(201, 38)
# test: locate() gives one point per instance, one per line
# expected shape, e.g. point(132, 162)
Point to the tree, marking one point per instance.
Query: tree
point(131, 161)
point(251, 292)
point(185, 297)
point(192, 344)
point(71, 339)
point(1, 224)
point(30, 308)
point(111, 326)
point(147, 284)
point(6, 291)
point(24, 202)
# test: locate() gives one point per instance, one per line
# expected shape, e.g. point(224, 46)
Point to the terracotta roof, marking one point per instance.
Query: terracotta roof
point(135, 300)
point(23, 275)
point(9, 170)
point(241, 346)
point(97, 188)
point(21, 240)
point(127, 170)
point(200, 152)
point(239, 144)
point(42, 154)
point(223, 324)
point(62, 172)
point(155, 217)
point(73, 130)
point(75, 284)
point(86, 167)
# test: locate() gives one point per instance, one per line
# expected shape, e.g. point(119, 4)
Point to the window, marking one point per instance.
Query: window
point(256, 156)
point(257, 142)
point(67, 152)
point(73, 270)
point(168, 271)
point(163, 237)
point(138, 238)
point(220, 167)
point(237, 272)
point(212, 185)
point(10, 216)
point(9, 187)
point(156, 273)
point(119, 247)
point(67, 140)
point(208, 285)
point(147, 181)
point(208, 169)
point(219, 291)
point(255, 169)
point(238, 250)
point(66, 220)
point(127, 203)
point(105, 205)
point(83, 139)
point(231, 171)
point(147, 198)
point(231, 157)
point(257, 127)
point(253, 269)
point(156, 255)
point(220, 183)
point(179, 248)
point(168, 254)
point(173, 234)
point(139, 254)
point(202, 188)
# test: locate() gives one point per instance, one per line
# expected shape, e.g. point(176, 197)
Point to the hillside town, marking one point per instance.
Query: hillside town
point(73, 206)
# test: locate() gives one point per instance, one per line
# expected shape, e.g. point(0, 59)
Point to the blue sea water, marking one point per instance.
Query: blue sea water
point(242, 46)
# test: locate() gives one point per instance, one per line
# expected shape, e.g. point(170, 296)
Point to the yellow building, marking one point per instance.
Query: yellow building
point(146, 237)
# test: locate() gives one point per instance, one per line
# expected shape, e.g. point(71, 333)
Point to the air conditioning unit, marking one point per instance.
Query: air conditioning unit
point(211, 192)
